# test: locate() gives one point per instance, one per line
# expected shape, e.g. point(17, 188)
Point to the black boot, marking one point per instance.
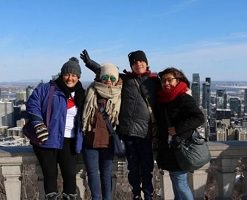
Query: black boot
point(69, 196)
point(52, 196)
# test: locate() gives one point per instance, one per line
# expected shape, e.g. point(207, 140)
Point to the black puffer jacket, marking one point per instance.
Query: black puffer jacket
point(134, 118)
point(185, 116)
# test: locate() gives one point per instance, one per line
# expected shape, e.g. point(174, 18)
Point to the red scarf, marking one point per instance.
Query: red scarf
point(167, 95)
point(70, 102)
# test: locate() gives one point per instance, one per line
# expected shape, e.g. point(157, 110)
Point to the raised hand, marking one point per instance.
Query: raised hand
point(84, 56)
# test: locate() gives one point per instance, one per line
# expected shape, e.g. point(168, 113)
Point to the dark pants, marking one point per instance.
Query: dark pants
point(66, 158)
point(140, 165)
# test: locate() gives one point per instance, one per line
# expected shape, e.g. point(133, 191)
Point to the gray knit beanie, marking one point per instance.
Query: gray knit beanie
point(72, 66)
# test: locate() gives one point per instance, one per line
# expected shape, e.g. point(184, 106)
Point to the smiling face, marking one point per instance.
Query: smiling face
point(139, 67)
point(70, 79)
point(169, 81)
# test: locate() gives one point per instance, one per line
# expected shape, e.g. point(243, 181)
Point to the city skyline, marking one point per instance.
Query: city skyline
point(206, 37)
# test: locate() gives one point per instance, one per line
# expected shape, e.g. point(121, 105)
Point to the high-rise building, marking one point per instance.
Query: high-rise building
point(223, 114)
point(21, 96)
point(208, 79)
point(6, 113)
point(29, 91)
point(221, 99)
point(235, 106)
point(195, 87)
point(206, 94)
point(245, 100)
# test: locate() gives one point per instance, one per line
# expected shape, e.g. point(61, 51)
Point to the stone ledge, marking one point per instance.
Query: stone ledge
point(16, 161)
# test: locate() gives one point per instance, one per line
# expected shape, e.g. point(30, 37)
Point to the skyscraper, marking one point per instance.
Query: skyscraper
point(195, 87)
point(235, 106)
point(6, 113)
point(221, 99)
point(29, 91)
point(245, 100)
point(206, 94)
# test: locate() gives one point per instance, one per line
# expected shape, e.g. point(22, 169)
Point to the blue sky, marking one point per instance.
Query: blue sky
point(198, 36)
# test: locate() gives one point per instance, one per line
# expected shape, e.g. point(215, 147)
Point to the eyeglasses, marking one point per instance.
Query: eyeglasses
point(106, 77)
point(169, 80)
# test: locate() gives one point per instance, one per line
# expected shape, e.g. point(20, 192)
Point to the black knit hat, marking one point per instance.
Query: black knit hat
point(72, 66)
point(137, 56)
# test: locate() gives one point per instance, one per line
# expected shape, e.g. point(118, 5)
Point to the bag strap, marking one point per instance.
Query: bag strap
point(147, 102)
point(50, 98)
point(107, 121)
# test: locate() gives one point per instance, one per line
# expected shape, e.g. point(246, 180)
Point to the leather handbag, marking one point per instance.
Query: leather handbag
point(192, 153)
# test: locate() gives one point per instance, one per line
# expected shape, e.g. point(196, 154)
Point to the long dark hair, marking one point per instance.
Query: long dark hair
point(178, 74)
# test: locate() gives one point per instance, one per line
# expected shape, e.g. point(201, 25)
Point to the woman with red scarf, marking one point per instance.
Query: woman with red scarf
point(179, 116)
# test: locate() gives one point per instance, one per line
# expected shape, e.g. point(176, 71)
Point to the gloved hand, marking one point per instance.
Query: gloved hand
point(42, 132)
point(176, 141)
point(84, 56)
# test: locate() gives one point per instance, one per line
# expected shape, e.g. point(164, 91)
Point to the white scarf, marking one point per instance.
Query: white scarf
point(113, 96)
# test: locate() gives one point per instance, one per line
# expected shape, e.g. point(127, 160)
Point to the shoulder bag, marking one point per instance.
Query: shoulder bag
point(192, 153)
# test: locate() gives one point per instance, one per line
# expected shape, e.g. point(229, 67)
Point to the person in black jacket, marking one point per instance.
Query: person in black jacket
point(139, 86)
point(179, 116)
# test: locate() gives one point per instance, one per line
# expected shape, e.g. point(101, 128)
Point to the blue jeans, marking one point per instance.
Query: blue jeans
point(180, 185)
point(140, 165)
point(99, 171)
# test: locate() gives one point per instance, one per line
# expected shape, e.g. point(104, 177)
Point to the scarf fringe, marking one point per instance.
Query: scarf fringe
point(113, 94)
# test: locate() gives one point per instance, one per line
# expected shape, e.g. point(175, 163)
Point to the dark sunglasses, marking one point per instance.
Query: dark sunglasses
point(106, 77)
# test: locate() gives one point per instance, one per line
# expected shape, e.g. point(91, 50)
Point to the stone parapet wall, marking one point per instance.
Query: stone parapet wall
point(21, 177)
